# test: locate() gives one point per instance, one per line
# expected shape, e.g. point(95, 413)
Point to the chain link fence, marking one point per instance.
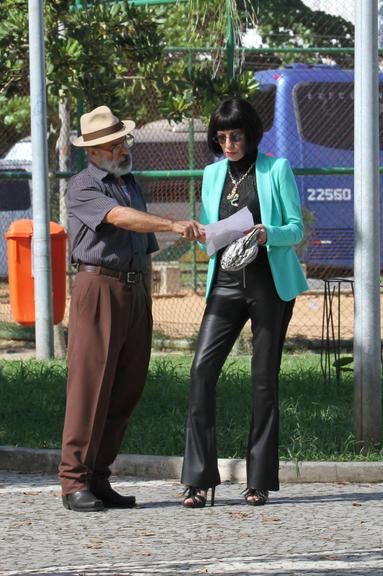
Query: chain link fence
point(306, 102)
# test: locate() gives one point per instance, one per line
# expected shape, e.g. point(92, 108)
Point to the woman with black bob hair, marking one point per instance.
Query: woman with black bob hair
point(239, 114)
point(263, 292)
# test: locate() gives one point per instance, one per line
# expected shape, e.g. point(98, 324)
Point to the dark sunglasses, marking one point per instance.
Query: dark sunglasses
point(234, 138)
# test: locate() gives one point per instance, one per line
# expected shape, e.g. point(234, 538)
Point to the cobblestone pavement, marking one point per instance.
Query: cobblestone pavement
point(306, 529)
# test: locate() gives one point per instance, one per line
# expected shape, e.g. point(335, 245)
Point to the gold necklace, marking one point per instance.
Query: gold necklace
point(233, 195)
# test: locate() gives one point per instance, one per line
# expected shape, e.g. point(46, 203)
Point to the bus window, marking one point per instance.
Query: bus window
point(325, 113)
point(314, 108)
point(264, 103)
point(14, 195)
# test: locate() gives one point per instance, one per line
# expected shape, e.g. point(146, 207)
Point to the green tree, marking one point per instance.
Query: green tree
point(192, 84)
point(98, 55)
point(202, 23)
point(112, 53)
point(290, 23)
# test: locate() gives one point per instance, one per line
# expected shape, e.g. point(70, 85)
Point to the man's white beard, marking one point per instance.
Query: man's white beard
point(117, 168)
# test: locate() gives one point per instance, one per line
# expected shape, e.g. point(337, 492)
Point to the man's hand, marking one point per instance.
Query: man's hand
point(202, 238)
point(139, 221)
point(189, 229)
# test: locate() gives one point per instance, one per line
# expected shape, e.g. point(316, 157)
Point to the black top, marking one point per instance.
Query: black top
point(247, 189)
point(248, 196)
point(91, 195)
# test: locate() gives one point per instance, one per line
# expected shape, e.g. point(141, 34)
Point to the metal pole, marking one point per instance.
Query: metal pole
point(80, 154)
point(192, 214)
point(229, 42)
point(152, 2)
point(367, 360)
point(41, 240)
point(14, 174)
point(380, 24)
point(82, 4)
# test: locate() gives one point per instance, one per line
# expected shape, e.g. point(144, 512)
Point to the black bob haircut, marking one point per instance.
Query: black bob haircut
point(235, 113)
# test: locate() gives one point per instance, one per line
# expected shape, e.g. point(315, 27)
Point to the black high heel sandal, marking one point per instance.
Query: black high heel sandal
point(256, 497)
point(198, 500)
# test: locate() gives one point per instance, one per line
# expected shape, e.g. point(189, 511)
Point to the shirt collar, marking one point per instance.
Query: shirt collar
point(98, 172)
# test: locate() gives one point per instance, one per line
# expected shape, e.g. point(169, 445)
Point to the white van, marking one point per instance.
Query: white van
point(15, 195)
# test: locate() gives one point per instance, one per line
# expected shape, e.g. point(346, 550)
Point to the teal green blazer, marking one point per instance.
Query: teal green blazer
point(280, 212)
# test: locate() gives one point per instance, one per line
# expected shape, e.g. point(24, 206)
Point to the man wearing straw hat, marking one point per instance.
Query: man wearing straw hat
point(111, 239)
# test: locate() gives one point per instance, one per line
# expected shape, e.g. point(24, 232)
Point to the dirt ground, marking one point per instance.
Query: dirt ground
point(179, 315)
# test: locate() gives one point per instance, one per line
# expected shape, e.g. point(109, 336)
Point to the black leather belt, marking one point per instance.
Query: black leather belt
point(127, 277)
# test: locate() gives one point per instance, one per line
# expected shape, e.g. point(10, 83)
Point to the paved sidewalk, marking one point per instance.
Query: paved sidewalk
point(306, 530)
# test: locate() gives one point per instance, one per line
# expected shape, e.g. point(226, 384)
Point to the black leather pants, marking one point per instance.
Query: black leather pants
point(228, 308)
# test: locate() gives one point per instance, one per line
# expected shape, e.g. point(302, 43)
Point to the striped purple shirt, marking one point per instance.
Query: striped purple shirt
point(91, 195)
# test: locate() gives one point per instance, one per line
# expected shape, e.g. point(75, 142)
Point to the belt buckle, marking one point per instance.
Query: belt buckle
point(131, 277)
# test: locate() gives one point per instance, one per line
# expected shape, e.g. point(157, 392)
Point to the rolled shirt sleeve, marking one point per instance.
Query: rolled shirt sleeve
point(88, 203)
point(91, 195)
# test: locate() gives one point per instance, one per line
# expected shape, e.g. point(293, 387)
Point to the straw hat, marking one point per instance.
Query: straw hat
point(100, 126)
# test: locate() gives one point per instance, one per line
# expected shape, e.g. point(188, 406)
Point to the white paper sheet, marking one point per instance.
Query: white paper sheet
point(220, 234)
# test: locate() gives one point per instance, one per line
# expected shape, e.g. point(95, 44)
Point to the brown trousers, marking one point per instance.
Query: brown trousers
point(110, 328)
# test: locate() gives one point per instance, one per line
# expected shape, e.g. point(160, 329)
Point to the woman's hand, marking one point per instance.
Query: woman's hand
point(262, 234)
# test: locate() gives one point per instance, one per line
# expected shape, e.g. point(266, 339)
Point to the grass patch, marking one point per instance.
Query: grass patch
point(32, 402)
point(316, 419)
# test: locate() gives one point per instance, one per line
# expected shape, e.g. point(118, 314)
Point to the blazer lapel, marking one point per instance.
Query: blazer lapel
point(218, 184)
point(262, 173)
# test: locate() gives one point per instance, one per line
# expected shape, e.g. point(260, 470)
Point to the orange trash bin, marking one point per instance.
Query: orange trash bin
point(20, 275)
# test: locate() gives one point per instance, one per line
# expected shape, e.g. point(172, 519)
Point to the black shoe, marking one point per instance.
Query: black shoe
point(256, 497)
point(197, 497)
point(112, 499)
point(82, 501)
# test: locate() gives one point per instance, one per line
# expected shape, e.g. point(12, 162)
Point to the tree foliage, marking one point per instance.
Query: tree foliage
point(279, 23)
point(290, 23)
point(192, 83)
point(115, 53)
point(195, 92)
point(97, 56)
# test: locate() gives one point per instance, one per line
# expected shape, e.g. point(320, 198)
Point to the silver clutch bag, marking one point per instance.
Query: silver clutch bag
point(241, 252)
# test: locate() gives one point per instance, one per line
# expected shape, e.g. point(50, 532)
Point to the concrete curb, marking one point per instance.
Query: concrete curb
point(30, 460)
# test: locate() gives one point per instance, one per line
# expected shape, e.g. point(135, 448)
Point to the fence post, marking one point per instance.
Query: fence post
point(229, 42)
point(367, 339)
point(192, 214)
point(80, 154)
point(41, 240)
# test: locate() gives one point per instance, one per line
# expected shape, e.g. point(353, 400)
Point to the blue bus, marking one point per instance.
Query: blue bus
point(308, 115)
